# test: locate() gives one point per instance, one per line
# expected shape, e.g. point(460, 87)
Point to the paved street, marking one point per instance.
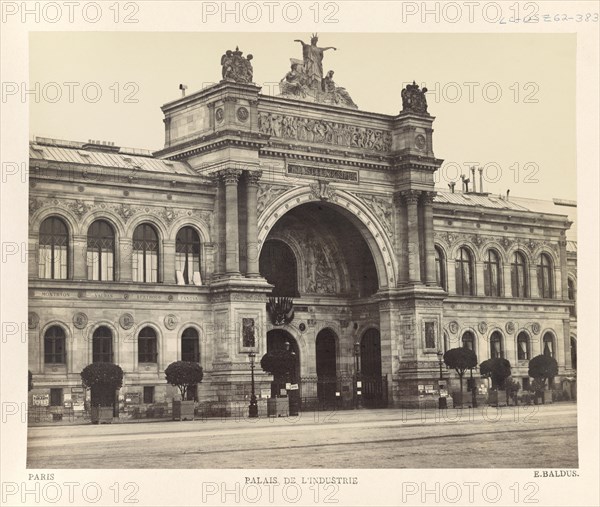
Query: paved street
point(522, 437)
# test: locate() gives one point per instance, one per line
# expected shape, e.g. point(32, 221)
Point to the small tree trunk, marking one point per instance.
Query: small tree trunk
point(461, 388)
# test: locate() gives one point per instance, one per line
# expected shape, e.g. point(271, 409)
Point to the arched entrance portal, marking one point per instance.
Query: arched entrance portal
point(326, 365)
point(277, 264)
point(276, 339)
point(315, 249)
point(370, 359)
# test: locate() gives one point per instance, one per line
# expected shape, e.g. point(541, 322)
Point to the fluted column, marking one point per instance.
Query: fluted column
point(411, 198)
point(427, 203)
point(232, 250)
point(252, 178)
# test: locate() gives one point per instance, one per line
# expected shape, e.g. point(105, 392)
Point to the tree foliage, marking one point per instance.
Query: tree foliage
point(278, 362)
point(461, 359)
point(102, 374)
point(183, 375)
point(103, 379)
point(543, 367)
point(497, 368)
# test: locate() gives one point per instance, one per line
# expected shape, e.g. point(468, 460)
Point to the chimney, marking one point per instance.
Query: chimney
point(473, 176)
point(507, 192)
point(465, 182)
point(451, 185)
point(481, 179)
point(183, 88)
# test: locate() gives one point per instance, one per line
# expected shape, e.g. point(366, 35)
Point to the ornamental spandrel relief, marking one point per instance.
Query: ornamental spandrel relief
point(482, 241)
point(381, 208)
point(324, 132)
point(266, 194)
point(81, 208)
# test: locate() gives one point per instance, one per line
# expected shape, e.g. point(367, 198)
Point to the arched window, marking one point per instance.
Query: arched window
point(518, 275)
point(440, 268)
point(573, 353)
point(468, 340)
point(53, 249)
point(491, 274)
point(145, 254)
point(464, 273)
point(55, 346)
point(190, 345)
point(100, 251)
point(102, 346)
point(187, 257)
point(571, 296)
point(496, 345)
point(545, 278)
point(147, 346)
point(548, 345)
point(523, 352)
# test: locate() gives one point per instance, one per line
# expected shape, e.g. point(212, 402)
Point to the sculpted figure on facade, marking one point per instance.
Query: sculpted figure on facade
point(305, 78)
point(235, 67)
point(319, 275)
point(413, 99)
point(335, 94)
point(312, 56)
point(295, 82)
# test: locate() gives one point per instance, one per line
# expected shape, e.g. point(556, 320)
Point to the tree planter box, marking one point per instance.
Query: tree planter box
point(184, 410)
point(493, 398)
point(102, 415)
point(278, 407)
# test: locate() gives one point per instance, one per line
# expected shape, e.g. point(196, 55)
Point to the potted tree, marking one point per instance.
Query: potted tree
point(279, 363)
point(103, 380)
point(498, 369)
point(185, 375)
point(542, 368)
point(461, 359)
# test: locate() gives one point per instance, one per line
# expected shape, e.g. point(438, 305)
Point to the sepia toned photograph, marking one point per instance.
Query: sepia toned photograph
point(291, 255)
point(307, 263)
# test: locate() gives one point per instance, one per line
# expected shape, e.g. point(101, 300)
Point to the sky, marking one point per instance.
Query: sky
point(504, 102)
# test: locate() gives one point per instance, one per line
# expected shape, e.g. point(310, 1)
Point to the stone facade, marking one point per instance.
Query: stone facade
point(349, 194)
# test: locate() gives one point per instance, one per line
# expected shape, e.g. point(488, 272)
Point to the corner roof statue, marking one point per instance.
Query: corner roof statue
point(413, 99)
point(235, 68)
point(305, 79)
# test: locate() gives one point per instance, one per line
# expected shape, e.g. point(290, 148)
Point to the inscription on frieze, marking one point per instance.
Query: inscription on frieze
point(322, 173)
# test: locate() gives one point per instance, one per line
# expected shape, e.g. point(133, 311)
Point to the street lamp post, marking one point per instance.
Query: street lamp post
point(441, 400)
point(253, 407)
point(358, 385)
point(473, 391)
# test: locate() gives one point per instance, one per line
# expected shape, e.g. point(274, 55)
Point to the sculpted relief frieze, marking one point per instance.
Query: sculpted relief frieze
point(324, 132)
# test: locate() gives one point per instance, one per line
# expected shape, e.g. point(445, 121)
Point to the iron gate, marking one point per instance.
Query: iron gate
point(340, 392)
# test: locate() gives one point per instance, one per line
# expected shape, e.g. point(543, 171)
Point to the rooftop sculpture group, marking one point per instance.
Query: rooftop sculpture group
point(305, 79)
point(235, 67)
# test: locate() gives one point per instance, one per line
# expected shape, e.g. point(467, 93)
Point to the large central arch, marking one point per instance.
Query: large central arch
point(348, 205)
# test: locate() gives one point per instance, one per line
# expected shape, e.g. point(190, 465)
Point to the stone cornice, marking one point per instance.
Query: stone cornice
point(211, 142)
point(114, 177)
point(316, 154)
point(238, 89)
point(506, 217)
